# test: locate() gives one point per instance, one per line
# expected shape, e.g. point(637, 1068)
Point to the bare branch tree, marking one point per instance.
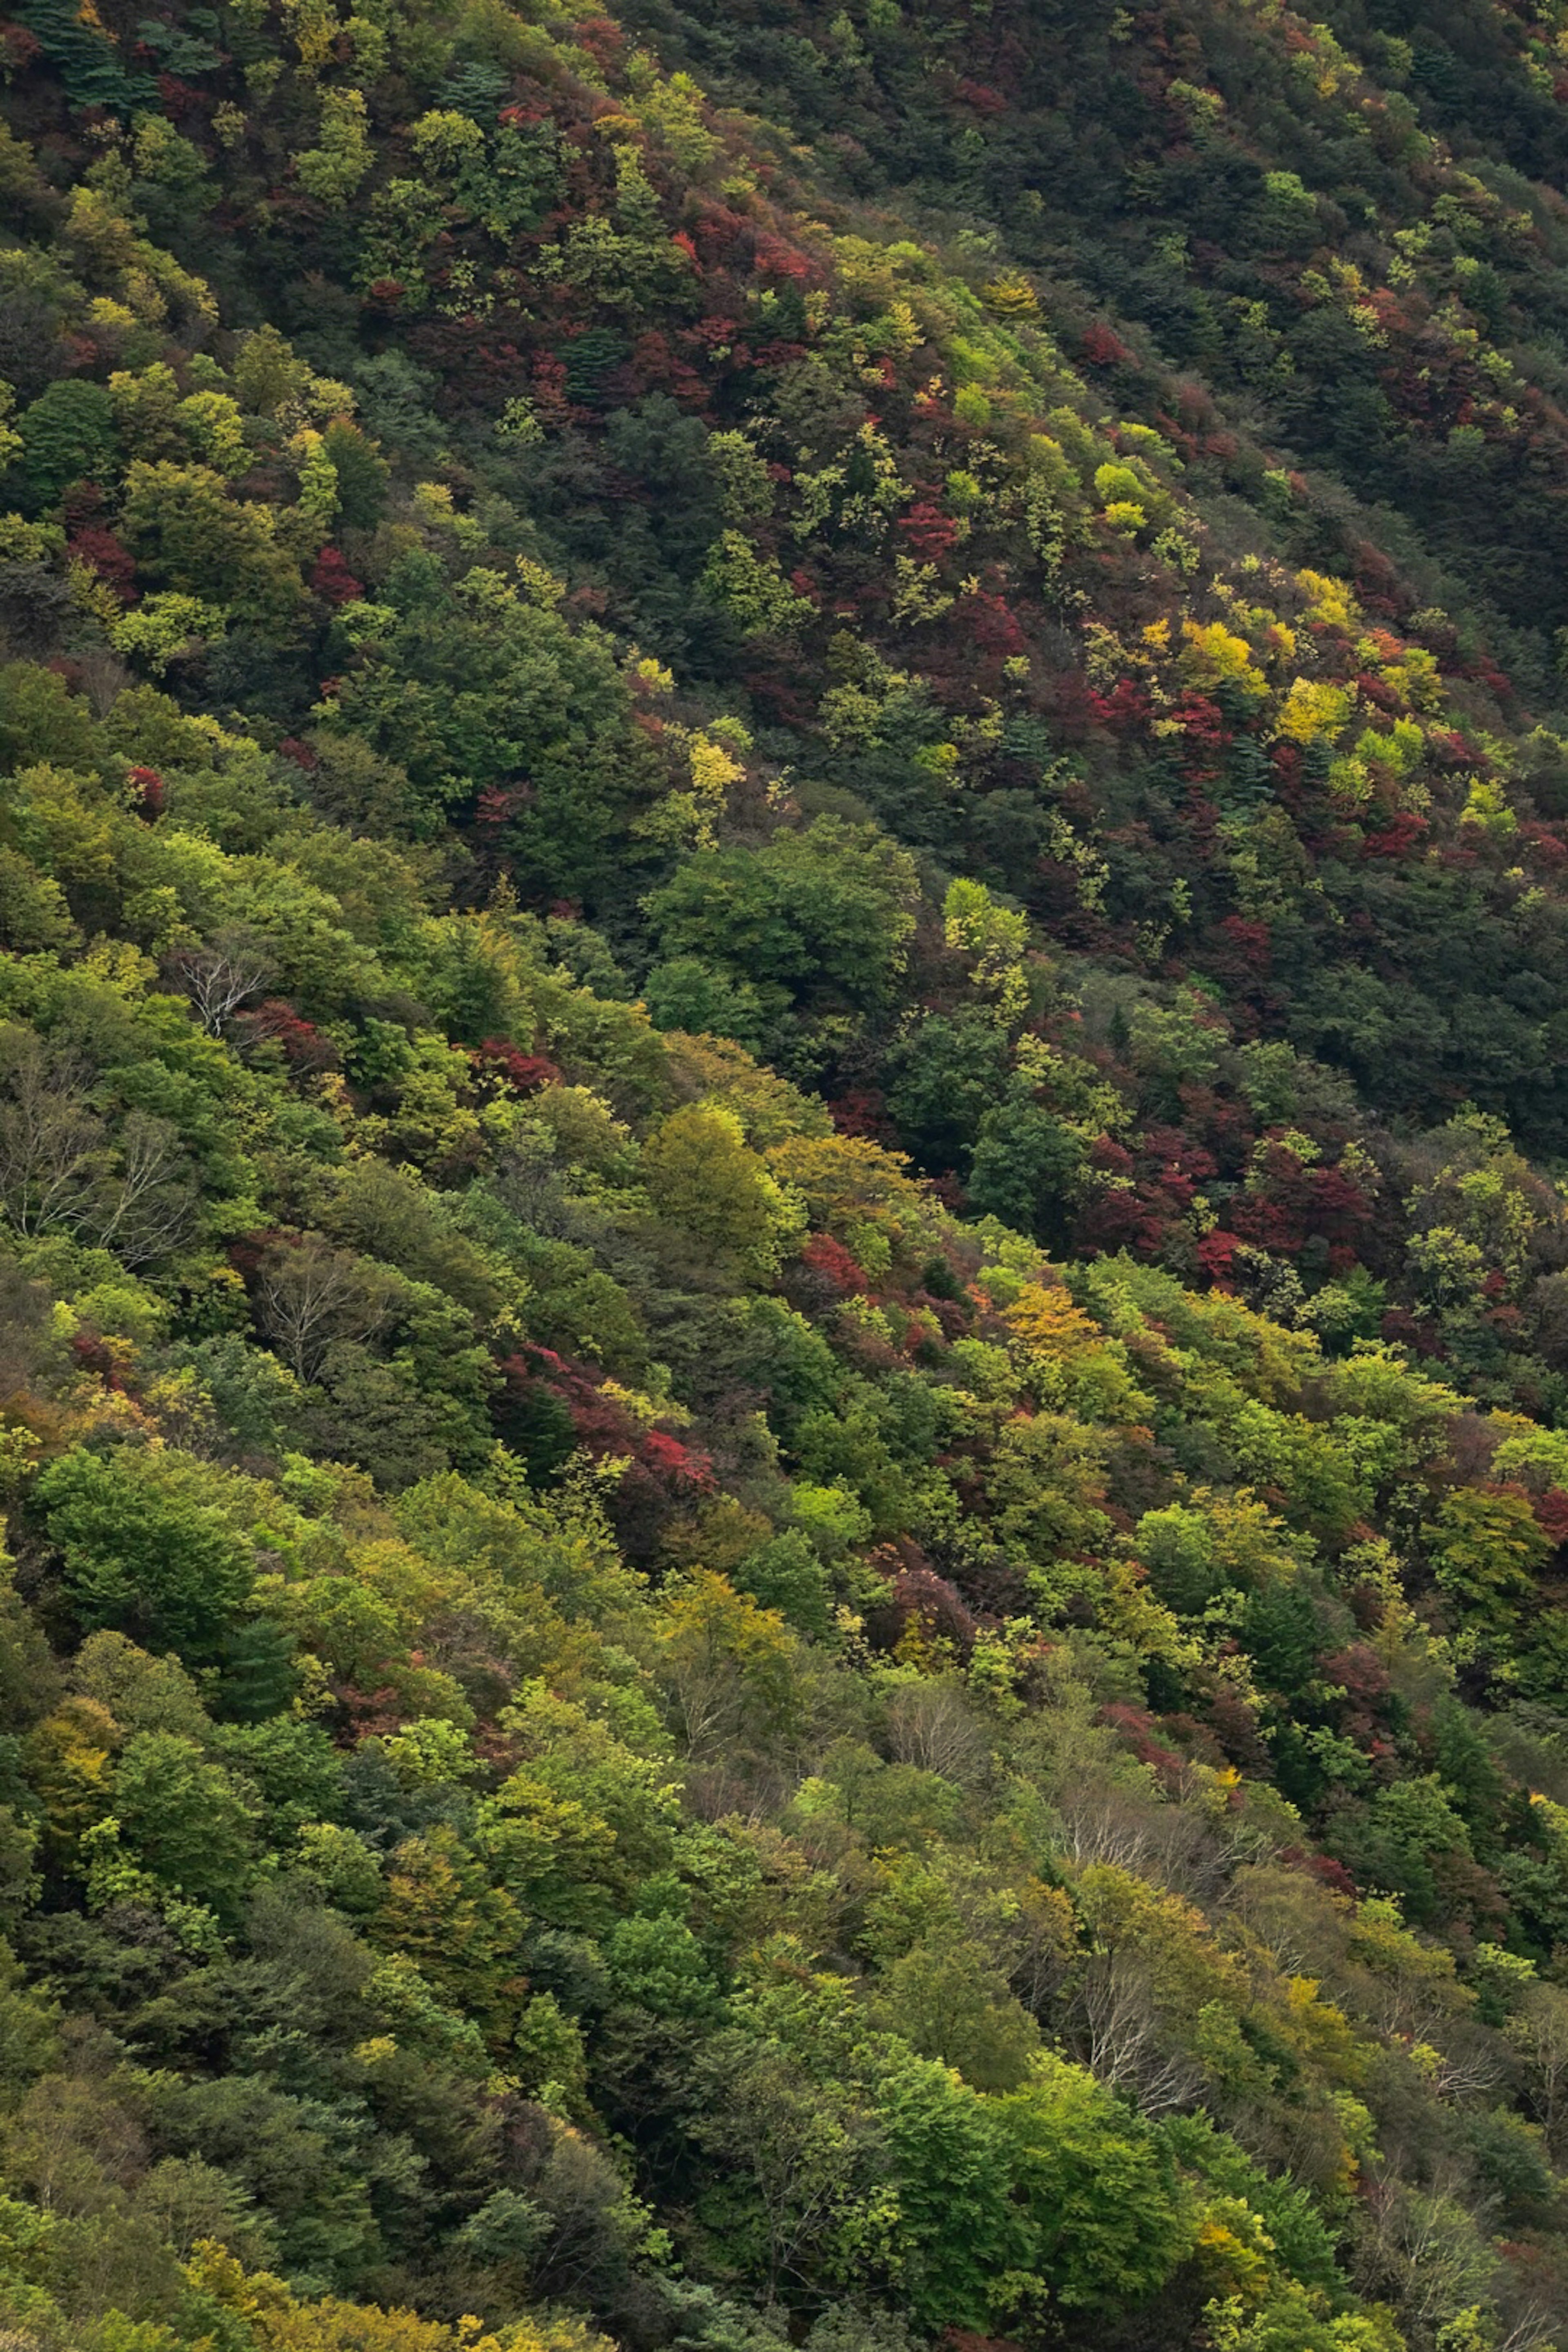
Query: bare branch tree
point(51, 1143)
point(1539, 2032)
point(312, 1295)
point(219, 976)
point(1123, 2040)
point(1102, 1821)
point(1423, 2248)
point(1468, 2067)
point(1535, 2330)
point(931, 1723)
point(152, 1211)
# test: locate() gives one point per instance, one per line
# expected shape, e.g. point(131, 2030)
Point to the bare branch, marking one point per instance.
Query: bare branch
point(312, 1295)
point(51, 1144)
point(221, 975)
point(152, 1211)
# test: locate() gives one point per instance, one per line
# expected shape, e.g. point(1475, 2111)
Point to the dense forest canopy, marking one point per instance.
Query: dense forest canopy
point(784, 1176)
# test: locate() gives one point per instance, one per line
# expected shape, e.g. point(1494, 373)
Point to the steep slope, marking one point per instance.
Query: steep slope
point(783, 1297)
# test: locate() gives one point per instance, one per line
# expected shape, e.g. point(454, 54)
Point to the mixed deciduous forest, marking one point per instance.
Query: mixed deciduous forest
point(784, 1176)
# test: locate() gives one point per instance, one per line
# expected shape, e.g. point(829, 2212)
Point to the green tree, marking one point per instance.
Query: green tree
point(729, 1666)
point(1107, 2210)
point(362, 474)
point(947, 2001)
point(703, 1178)
point(658, 1962)
point(686, 993)
point(824, 912)
point(1028, 1167)
point(793, 2206)
point(68, 434)
point(462, 1933)
point(189, 534)
point(1486, 1547)
point(143, 1549)
point(960, 2231)
point(488, 687)
point(945, 1081)
point(185, 1820)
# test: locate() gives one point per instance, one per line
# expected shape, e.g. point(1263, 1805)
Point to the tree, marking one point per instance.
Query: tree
point(185, 1820)
point(727, 1664)
point(361, 475)
point(658, 1962)
point(1028, 1167)
point(1486, 1546)
point(151, 1208)
point(52, 1145)
point(946, 1079)
point(189, 534)
point(703, 1177)
point(959, 2233)
point(947, 2002)
point(824, 912)
point(311, 1298)
point(276, 2319)
point(1110, 2218)
point(333, 169)
point(462, 1932)
point(686, 993)
point(140, 1691)
point(221, 975)
point(65, 1172)
point(143, 1549)
point(1538, 2034)
point(67, 436)
point(492, 690)
point(1406, 1843)
point(800, 2158)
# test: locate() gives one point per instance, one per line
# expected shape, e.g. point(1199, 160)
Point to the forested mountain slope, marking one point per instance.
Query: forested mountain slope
point(783, 1127)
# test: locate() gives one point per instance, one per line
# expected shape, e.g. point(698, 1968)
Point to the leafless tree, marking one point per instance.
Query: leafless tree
point(931, 1723)
point(1103, 1821)
point(1534, 2330)
point(219, 976)
point(151, 1212)
point(1539, 2032)
point(1422, 2249)
point(1124, 2040)
point(1468, 2063)
point(102, 676)
point(312, 1295)
point(52, 1149)
point(60, 1169)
